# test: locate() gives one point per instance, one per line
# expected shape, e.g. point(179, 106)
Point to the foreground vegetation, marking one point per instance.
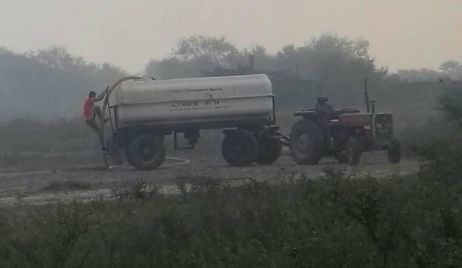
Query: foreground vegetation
point(335, 221)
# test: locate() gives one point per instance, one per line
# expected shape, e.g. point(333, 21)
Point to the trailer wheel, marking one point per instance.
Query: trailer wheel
point(145, 152)
point(305, 142)
point(353, 150)
point(240, 148)
point(394, 152)
point(270, 150)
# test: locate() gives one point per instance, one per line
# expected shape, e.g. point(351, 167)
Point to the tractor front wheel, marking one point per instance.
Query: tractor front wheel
point(341, 157)
point(353, 150)
point(394, 152)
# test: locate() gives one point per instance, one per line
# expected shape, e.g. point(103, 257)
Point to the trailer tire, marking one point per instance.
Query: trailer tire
point(145, 152)
point(240, 148)
point(269, 150)
point(305, 143)
point(394, 152)
point(353, 150)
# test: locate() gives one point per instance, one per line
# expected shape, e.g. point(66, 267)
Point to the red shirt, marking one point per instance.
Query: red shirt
point(88, 108)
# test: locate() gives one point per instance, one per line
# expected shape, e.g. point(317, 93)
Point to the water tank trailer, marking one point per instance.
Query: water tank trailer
point(142, 112)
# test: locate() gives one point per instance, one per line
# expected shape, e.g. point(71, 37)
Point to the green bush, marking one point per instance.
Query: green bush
point(335, 221)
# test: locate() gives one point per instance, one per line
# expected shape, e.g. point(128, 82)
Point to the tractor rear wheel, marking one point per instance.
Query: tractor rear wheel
point(394, 152)
point(240, 148)
point(269, 150)
point(145, 152)
point(353, 150)
point(306, 142)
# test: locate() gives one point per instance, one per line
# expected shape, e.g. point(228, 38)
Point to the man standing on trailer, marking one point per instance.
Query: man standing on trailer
point(92, 114)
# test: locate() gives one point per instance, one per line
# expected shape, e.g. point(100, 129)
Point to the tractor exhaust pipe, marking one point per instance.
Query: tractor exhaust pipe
point(366, 95)
point(373, 127)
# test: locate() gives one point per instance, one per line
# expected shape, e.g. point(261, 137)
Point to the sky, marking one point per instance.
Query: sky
point(403, 34)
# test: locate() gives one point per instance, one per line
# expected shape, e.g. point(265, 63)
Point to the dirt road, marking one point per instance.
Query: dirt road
point(84, 180)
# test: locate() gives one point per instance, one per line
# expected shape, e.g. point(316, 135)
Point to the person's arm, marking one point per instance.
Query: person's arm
point(101, 96)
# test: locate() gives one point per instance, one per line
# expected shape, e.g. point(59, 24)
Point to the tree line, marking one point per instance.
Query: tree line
point(48, 84)
point(51, 83)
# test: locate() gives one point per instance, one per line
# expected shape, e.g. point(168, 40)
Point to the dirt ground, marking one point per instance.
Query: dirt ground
point(36, 178)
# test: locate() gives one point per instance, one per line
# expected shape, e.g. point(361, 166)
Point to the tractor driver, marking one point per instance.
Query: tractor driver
point(92, 114)
point(325, 114)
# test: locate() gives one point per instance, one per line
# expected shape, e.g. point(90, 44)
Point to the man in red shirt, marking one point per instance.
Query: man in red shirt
point(92, 114)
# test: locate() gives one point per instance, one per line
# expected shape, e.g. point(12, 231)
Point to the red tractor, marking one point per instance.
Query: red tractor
point(344, 134)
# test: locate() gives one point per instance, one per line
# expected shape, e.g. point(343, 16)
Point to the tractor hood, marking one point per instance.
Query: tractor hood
point(355, 119)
